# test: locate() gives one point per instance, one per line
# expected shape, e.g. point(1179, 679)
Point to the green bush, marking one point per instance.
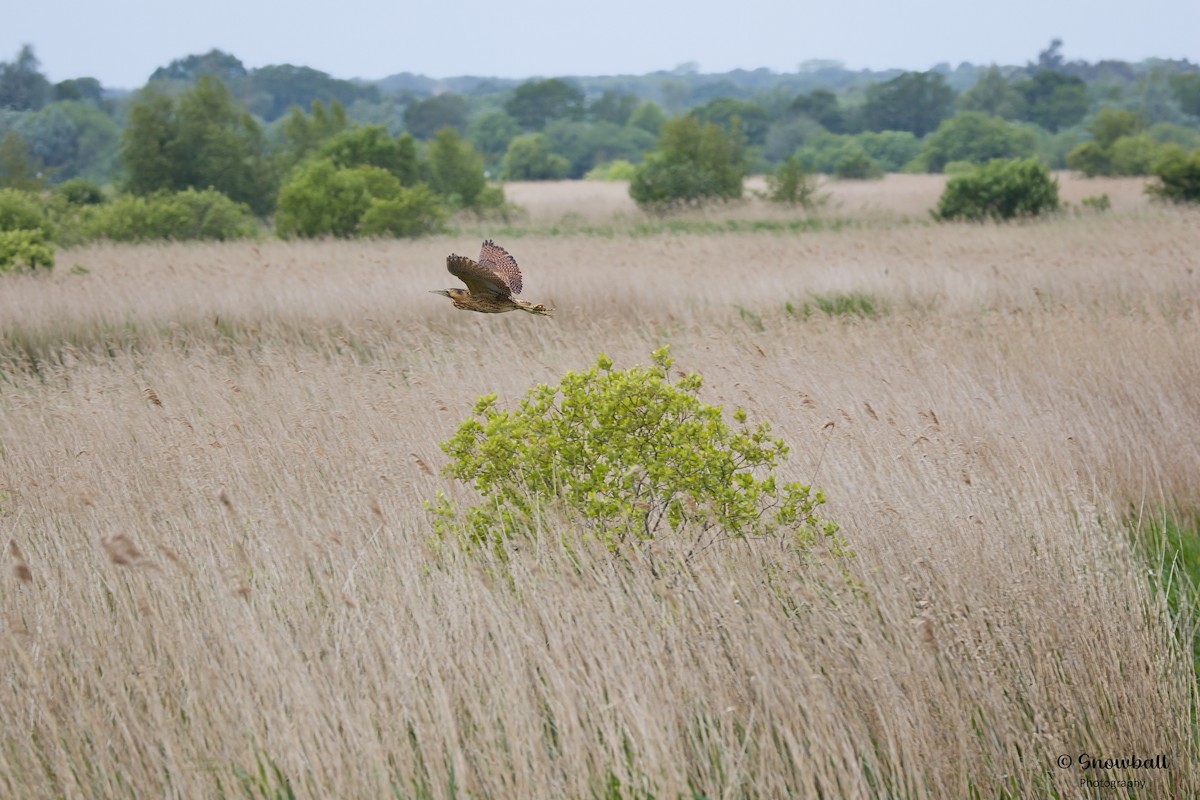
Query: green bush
point(630, 454)
point(855, 164)
point(792, 185)
point(999, 190)
point(413, 212)
point(693, 164)
point(529, 158)
point(80, 192)
point(619, 170)
point(24, 249)
point(1178, 176)
point(178, 216)
point(23, 211)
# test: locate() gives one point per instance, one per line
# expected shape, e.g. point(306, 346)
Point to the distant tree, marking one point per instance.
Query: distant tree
point(72, 138)
point(694, 163)
point(975, 137)
point(424, 118)
point(614, 107)
point(22, 85)
point(491, 134)
point(993, 95)
point(744, 117)
point(648, 117)
point(892, 150)
point(822, 107)
point(373, 146)
point(1186, 88)
point(1051, 58)
point(18, 169)
point(200, 140)
point(1108, 127)
point(537, 103)
point(81, 89)
point(1053, 100)
point(214, 63)
point(298, 135)
point(271, 91)
point(1111, 124)
point(586, 144)
point(915, 101)
point(455, 170)
point(529, 158)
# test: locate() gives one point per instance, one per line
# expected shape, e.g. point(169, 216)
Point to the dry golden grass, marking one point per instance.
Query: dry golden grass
point(212, 460)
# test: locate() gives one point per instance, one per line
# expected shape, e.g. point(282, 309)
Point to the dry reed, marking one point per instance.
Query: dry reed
point(981, 442)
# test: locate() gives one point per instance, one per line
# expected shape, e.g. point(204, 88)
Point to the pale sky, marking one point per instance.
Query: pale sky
point(121, 42)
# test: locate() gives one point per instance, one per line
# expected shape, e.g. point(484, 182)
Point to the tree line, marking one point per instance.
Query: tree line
point(320, 156)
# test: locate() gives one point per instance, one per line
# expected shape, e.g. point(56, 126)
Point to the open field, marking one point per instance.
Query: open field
point(213, 458)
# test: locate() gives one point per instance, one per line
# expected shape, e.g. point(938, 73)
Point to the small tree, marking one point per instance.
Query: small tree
point(25, 249)
point(1178, 177)
point(529, 159)
point(792, 185)
point(455, 171)
point(694, 163)
point(999, 190)
point(632, 454)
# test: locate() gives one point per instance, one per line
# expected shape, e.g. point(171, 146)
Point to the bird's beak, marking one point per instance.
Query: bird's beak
point(442, 292)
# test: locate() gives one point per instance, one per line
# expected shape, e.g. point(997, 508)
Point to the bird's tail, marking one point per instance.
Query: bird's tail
point(535, 309)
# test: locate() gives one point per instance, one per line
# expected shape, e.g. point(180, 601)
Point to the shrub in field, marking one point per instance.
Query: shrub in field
point(693, 164)
point(618, 170)
point(411, 211)
point(1178, 177)
point(999, 190)
point(24, 249)
point(178, 216)
point(22, 211)
point(630, 453)
point(792, 184)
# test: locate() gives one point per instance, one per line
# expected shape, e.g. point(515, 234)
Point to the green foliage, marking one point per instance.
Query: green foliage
point(491, 134)
point(821, 106)
point(299, 135)
point(1186, 89)
point(1178, 176)
point(537, 103)
point(201, 140)
point(853, 163)
point(455, 171)
point(1120, 145)
point(181, 216)
point(1053, 99)
point(1111, 124)
point(694, 163)
point(270, 91)
point(613, 107)
point(975, 137)
point(70, 139)
point(321, 199)
point(999, 190)
point(1090, 158)
point(736, 118)
point(916, 102)
point(22, 85)
point(585, 144)
point(840, 304)
point(18, 168)
point(649, 118)
point(1170, 545)
point(373, 146)
point(529, 158)
point(424, 118)
point(631, 454)
point(993, 95)
point(411, 212)
point(619, 170)
point(23, 211)
point(792, 185)
point(80, 192)
point(25, 249)
point(1135, 155)
point(1100, 202)
point(885, 151)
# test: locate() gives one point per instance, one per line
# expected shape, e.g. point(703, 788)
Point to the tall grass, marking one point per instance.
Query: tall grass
point(212, 459)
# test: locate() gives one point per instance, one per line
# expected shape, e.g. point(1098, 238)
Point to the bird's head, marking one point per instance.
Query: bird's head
point(442, 292)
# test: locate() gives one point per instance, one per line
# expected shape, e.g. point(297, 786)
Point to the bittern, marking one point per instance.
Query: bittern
point(492, 283)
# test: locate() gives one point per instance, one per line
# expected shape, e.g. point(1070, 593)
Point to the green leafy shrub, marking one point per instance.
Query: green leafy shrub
point(80, 192)
point(855, 164)
point(1178, 177)
point(693, 164)
point(178, 216)
point(23, 211)
point(792, 185)
point(320, 199)
point(1100, 202)
point(412, 212)
point(619, 170)
point(25, 249)
point(630, 454)
point(999, 190)
point(529, 158)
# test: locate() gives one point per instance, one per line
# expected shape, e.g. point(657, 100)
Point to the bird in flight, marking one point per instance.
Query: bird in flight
point(492, 283)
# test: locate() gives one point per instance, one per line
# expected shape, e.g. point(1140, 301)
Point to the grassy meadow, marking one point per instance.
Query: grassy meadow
point(220, 582)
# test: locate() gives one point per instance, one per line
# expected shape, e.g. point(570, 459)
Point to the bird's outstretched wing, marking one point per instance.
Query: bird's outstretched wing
point(497, 259)
point(478, 278)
